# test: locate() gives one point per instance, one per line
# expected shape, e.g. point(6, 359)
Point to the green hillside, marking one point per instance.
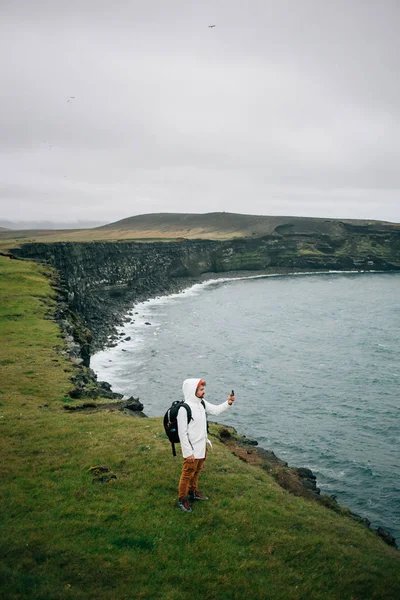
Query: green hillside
point(71, 531)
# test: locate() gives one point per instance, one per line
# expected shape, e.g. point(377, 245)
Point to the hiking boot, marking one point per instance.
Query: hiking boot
point(184, 505)
point(196, 495)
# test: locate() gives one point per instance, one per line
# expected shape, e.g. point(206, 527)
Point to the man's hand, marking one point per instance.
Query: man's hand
point(231, 399)
point(190, 458)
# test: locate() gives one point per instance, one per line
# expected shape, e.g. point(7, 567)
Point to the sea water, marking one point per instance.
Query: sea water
point(314, 361)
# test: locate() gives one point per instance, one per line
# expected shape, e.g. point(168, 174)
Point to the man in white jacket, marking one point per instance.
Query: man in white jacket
point(193, 438)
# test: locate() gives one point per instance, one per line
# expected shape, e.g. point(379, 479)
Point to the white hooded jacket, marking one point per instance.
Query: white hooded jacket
point(193, 435)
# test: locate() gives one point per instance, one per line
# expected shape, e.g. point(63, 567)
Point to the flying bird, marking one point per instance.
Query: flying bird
point(71, 98)
point(211, 26)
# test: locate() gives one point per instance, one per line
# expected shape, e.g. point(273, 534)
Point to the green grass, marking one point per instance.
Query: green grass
point(66, 535)
point(364, 246)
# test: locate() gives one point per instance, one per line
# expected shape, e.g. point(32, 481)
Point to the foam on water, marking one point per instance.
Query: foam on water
point(143, 311)
point(313, 358)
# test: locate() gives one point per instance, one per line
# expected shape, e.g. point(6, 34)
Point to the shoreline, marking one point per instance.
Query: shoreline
point(180, 286)
point(297, 480)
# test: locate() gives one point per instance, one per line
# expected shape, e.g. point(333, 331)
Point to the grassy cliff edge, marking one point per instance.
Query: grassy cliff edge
point(70, 530)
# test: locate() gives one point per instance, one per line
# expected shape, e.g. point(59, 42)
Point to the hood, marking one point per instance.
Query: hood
point(189, 388)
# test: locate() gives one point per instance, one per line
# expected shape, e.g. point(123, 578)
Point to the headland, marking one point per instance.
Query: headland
point(78, 482)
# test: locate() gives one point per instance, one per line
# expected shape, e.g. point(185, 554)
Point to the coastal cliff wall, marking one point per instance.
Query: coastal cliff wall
point(100, 279)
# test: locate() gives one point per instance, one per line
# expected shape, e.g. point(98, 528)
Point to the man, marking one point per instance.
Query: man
point(193, 438)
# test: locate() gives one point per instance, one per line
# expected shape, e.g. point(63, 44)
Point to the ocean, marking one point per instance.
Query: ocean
point(314, 360)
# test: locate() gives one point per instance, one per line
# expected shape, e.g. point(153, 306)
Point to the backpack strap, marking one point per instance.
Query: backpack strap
point(204, 406)
point(189, 411)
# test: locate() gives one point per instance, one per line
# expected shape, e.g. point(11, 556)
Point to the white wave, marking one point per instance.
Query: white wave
point(196, 288)
point(144, 312)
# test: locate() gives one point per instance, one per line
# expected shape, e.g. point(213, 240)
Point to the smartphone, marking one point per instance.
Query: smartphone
point(232, 393)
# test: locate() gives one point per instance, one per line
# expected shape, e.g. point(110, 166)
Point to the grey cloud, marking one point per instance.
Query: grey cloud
point(283, 108)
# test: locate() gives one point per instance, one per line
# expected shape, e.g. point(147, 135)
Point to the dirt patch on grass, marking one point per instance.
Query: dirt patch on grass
point(132, 407)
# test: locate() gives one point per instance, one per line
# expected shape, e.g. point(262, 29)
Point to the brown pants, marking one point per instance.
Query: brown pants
point(190, 476)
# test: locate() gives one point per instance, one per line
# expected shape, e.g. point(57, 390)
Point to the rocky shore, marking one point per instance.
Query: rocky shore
point(298, 481)
point(97, 283)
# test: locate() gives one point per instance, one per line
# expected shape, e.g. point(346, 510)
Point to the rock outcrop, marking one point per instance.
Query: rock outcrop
point(298, 481)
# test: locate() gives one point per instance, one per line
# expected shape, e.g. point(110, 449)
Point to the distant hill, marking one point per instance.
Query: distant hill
point(212, 226)
point(223, 225)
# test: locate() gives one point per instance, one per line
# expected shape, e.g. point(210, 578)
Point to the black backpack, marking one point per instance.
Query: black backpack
point(171, 422)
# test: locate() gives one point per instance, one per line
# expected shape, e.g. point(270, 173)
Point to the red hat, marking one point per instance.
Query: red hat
point(201, 382)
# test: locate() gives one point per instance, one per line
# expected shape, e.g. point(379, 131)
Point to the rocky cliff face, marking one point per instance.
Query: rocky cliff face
point(100, 279)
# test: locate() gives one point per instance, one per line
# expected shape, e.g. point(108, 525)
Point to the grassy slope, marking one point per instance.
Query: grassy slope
point(65, 536)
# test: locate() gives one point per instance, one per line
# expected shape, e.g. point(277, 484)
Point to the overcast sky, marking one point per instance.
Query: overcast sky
point(111, 108)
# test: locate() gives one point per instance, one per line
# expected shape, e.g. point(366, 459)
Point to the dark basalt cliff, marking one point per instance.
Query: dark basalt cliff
point(100, 279)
